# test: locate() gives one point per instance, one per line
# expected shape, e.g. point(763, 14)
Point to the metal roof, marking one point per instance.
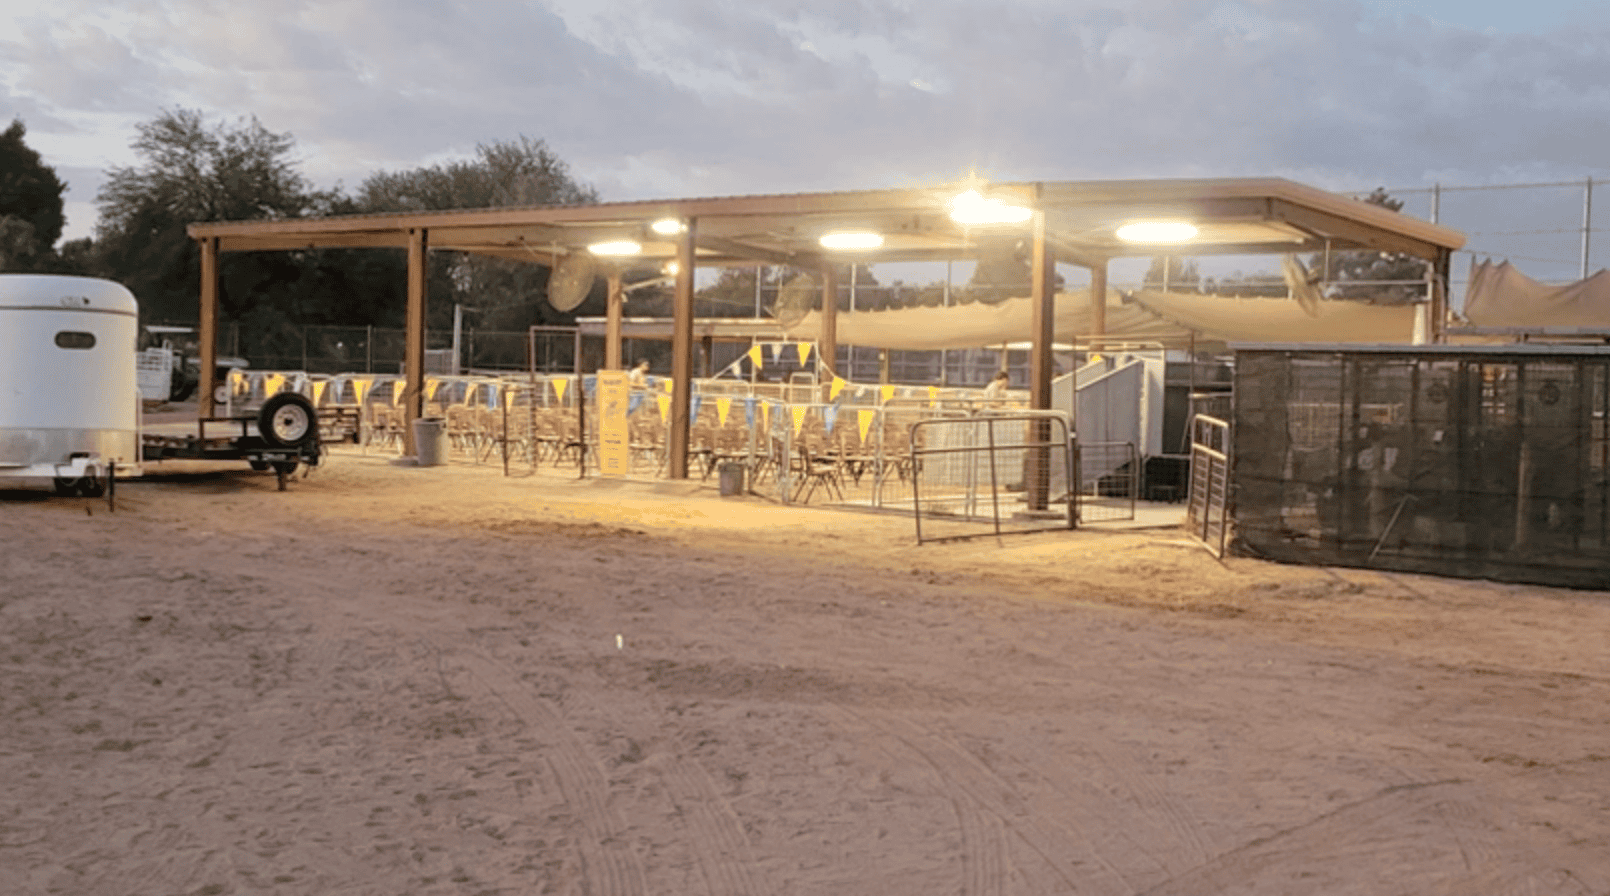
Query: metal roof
point(1233, 216)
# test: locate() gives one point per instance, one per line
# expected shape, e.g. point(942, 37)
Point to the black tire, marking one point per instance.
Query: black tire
point(65, 487)
point(288, 420)
point(92, 486)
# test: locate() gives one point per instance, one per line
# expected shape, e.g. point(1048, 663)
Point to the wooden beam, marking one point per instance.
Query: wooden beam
point(612, 323)
point(1042, 323)
point(682, 353)
point(1098, 299)
point(414, 345)
point(751, 253)
point(1326, 224)
point(208, 329)
point(827, 339)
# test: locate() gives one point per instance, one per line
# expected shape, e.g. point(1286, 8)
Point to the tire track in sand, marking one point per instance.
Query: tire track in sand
point(714, 830)
point(611, 866)
point(985, 852)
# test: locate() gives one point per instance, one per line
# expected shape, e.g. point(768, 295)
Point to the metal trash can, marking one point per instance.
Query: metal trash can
point(732, 479)
point(430, 441)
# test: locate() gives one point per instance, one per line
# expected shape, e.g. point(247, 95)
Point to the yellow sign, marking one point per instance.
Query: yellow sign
point(614, 434)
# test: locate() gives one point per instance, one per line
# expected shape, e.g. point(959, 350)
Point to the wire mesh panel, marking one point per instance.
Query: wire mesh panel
point(1468, 461)
point(990, 474)
point(1109, 481)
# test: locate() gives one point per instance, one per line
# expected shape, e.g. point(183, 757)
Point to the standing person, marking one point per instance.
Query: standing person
point(996, 390)
point(639, 376)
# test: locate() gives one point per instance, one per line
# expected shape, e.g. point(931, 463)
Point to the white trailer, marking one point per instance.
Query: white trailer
point(69, 400)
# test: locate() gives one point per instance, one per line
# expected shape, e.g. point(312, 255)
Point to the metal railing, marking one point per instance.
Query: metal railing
point(1207, 515)
point(996, 470)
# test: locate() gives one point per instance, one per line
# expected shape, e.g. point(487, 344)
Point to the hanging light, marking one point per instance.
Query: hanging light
point(851, 239)
point(1157, 232)
point(616, 248)
point(970, 207)
point(668, 226)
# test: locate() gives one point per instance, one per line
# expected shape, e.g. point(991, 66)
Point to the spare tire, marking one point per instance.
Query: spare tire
point(288, 420)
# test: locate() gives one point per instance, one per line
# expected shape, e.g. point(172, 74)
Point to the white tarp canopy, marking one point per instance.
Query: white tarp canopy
point(1501, 296)
point(1145, 316)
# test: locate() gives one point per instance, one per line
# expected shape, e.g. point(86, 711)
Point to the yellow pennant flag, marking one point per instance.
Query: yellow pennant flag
point(664, 401)
point(863, 422)
point(804, 352)
point(723, 405)
point(933, 395)
point(887, 392)
point(559, 388)
point(837, 387)
point(318, 390)
point(238, 383)
point(755, 356)
point(397, 390)
point(272, 384)
point(360, 388)
point(431, 385)
point(799, 417)
point(765, 415)
point(668, 383)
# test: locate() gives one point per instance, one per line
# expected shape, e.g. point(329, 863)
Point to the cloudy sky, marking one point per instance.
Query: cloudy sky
point(657, 98)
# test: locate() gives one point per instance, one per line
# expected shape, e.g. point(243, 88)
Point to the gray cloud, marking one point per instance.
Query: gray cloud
point(691, 97)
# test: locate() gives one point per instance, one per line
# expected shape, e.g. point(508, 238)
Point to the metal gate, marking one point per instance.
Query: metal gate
point(1208, 513)
point(1010, 472)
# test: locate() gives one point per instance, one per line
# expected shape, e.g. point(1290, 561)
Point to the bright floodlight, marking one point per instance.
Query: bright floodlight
point(852, 239)
point(671, 268)
point(972, 208)
point(616, 248)
point(1157, 232)
point(667, 227)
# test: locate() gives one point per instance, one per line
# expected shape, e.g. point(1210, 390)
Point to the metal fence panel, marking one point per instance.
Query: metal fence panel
point(990, 474)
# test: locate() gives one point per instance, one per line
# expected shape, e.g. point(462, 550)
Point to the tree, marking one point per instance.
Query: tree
point(1175, 274)
point(31, 217)
point(192, 172)
point(1379, 276)
point(519, 172)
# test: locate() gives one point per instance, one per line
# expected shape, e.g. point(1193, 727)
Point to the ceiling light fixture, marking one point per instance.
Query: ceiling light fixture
point(1157, 232)
point(668, 226)
point(616, 248)
point(852, 239)
point(971, 207)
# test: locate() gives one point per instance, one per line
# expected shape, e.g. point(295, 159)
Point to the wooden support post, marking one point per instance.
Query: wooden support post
point(612, 324)
point(1042, 299)
point(827, 339)
point(707, 351)
point(681, 356)
point(208, 329)
point(1098, 298)
point(414, 337)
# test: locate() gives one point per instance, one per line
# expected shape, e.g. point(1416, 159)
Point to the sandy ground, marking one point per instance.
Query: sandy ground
point(394, 680)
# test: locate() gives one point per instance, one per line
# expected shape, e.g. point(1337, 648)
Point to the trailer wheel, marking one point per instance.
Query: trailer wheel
point(92, 486)
point(288, 420)
point(65, 487)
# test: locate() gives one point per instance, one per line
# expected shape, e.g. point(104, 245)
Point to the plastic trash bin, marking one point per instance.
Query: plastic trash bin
point(430, 441)
point(732, 479)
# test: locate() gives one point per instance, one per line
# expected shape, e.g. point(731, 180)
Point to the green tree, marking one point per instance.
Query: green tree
point(507, 294)
point(1177, 274)
point(31, 217)
point(189, 172)
point(1377, 277)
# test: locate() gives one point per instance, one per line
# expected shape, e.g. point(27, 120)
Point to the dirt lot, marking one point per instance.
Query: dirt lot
point(393, 680)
